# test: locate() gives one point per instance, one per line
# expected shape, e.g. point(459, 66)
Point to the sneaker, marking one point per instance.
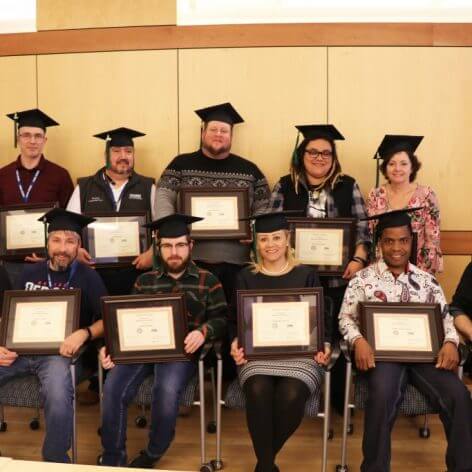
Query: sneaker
point(143, 461)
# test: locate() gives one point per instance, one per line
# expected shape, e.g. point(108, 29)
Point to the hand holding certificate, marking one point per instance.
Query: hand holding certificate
point(402, 332)
point(145, 328)
point(37, 322)
point(280, 323)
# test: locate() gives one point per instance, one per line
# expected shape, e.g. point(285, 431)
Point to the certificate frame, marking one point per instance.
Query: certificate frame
point(368, 312)
point(245, 310)
point(243, 230)
point(345, 225)
point(18, 254)
point(110, 307)
point(15, 299)
point(90, 241)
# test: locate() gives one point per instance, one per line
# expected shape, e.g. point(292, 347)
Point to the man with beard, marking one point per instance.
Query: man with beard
point(207, 314)
point(393, 279)
point(116, 188)
point(60, 271)
point(31, 178)
point(213, 165)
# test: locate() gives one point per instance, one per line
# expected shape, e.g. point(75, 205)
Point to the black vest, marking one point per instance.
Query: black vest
point(342, 195)
point(96, 194)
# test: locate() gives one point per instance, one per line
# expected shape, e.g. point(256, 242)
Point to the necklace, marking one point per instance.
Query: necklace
point(275, 272)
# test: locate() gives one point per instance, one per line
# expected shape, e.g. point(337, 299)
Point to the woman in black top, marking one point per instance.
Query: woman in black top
point(276, 390)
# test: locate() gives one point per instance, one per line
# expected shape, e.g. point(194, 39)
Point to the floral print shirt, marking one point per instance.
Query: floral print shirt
point(377, 284)
point(425, 223)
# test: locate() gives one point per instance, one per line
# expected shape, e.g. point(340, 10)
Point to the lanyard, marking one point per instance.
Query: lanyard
point(72, 273)
point(25, 196)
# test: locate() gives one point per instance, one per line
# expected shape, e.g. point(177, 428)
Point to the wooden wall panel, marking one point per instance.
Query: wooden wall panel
point(17, 92)
point(60, 14)
point(91, 93)
point(273, 89)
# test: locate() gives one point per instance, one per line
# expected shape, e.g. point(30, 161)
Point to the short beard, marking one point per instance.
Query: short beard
point(60, 267)
point(216, 152)
point(176, 269)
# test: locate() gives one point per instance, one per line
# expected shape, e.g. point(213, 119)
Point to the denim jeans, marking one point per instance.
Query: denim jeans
point(122, 383)
point(445, 392)
point(57, 395)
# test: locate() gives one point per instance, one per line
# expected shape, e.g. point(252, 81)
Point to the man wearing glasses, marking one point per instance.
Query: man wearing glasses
point(31, 178)
point(207, 313)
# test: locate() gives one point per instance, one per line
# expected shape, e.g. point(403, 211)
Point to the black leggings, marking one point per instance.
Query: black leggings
point(274, 410)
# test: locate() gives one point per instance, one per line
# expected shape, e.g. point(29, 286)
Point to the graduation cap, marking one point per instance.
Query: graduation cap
point(392, 219)
point(34, 118)
point(63, 220)
point(270, 222)
point(119, 137)
point(312, 132)
point(224, 112)
point(393, 143)
point(173, 226)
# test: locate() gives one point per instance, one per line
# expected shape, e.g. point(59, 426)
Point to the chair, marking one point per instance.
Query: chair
point(25, 392)
point(414, 403)
point(143, 400)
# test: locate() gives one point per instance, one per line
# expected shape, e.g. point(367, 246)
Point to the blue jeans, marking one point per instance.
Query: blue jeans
point(122, 383)
point(57, 395)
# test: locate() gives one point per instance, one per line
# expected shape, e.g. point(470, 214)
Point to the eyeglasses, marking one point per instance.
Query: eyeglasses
point(169, 247)
point(29, 136)
point(314, 153)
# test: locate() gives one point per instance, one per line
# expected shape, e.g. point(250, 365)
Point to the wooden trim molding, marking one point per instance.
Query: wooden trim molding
point(456, 243)
point(236, 36)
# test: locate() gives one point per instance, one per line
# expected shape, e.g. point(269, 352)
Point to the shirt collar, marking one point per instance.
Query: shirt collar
point(382, 268)
point(191, 270)
point(40, 165)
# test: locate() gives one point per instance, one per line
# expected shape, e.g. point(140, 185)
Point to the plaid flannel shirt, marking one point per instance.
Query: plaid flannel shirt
point(205, 300)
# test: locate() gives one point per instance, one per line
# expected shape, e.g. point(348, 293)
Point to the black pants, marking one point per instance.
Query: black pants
point(274, 410)
point(444, 391)
point(226, 274)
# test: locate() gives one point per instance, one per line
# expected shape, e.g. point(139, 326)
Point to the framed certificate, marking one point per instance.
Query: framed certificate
point(402, 332)
point(37, 322)
point(221, 209)
point(280, 323)
point(326, 243)
point(145, 328)
point(20, 231)
point(115, 239)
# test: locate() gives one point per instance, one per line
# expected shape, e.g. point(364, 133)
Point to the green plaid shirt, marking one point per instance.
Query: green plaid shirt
point(205, 300)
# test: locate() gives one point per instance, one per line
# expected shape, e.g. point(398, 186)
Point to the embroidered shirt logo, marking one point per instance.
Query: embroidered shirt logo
point(95, 199)
point(135, 196)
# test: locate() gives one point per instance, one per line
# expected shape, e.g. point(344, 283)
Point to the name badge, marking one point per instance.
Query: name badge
point(135, 196)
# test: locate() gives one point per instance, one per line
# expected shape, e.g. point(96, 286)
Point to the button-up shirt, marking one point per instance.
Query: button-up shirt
point(206, 305)
point(376, 283)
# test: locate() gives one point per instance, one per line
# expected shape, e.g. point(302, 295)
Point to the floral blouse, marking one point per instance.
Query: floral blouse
point(425, 223)
point(376, 283)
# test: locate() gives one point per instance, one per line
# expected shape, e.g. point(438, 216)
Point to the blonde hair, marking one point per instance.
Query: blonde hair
point(256, 259)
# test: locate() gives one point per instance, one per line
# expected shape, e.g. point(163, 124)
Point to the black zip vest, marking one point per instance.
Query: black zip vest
point(342, 195)
point(96, 194)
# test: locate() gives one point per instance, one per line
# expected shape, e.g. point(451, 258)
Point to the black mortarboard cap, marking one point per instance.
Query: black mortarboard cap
point(392, 219)
point(393, 143)
point(270, 222)
point(119, 136)
point(173, 226)
point(34, 118)
point(320, 132)
point(224, 112)
point(63, 220)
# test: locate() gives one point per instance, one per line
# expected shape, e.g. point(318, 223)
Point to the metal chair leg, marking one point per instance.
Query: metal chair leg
point(346, 418)
point(218, 463)
point(326, 419)
point(201, 385)
point(74, 418)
